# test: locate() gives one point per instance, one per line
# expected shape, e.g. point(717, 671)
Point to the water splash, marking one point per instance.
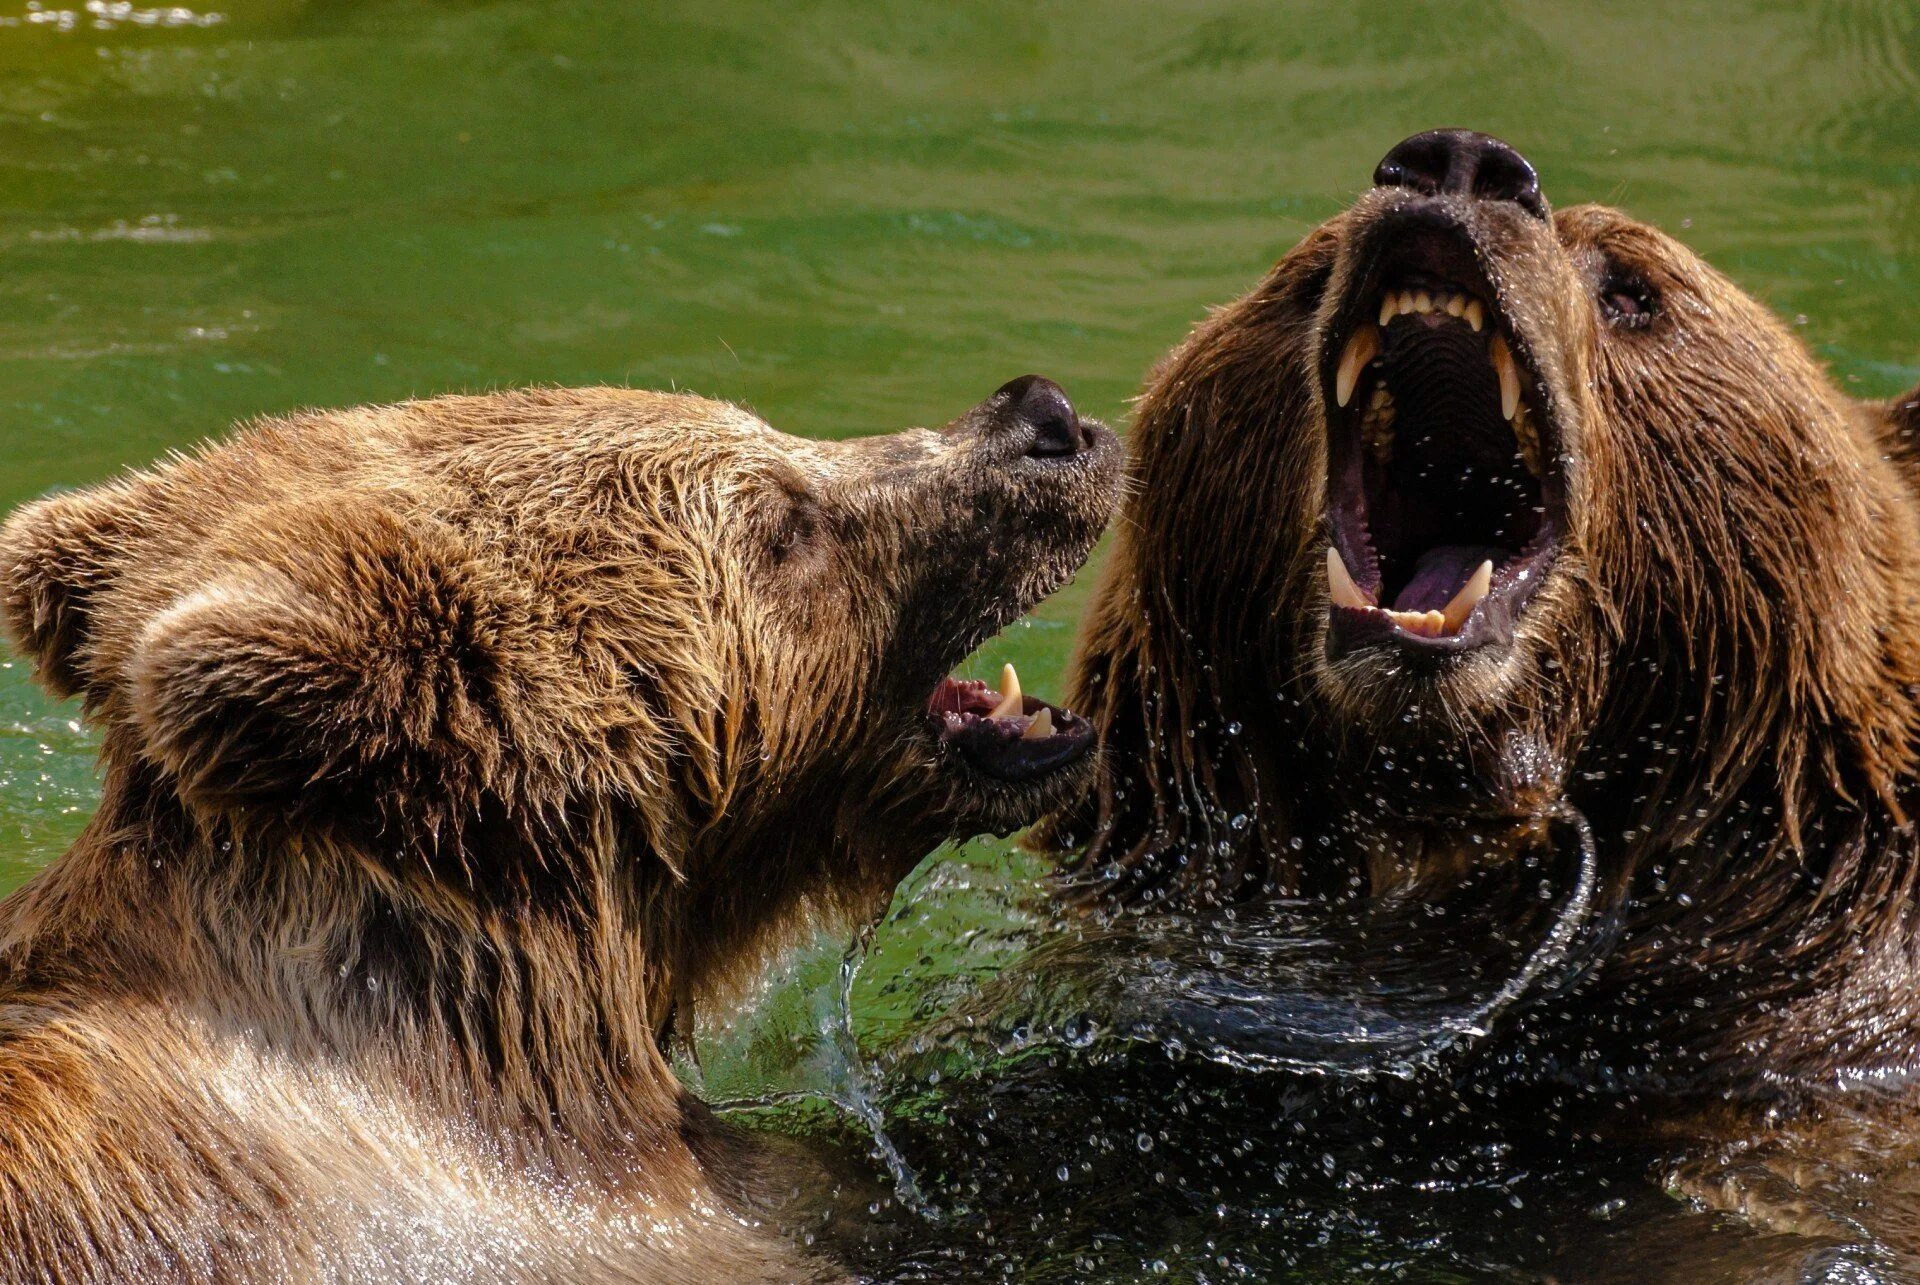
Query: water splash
point(853, 1095)
point(842, 1076)
point(1377, 989)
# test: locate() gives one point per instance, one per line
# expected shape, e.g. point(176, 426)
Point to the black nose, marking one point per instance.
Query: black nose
point(1462, 162)
point(1040, 405)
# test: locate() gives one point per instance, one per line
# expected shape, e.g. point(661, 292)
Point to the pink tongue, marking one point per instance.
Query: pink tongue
point(1439, 573)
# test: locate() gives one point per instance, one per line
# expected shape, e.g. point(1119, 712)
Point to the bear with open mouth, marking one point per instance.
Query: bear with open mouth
point(450, 751)
point(1475, 514)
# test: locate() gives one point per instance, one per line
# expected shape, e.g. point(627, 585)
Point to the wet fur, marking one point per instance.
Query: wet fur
point(449, 751)
point(1721, 672)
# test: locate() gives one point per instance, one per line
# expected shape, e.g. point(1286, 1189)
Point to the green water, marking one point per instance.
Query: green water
point(852, 217)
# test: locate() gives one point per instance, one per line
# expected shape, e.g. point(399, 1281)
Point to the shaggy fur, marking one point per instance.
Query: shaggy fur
point(450, 749)
point(1720, 672)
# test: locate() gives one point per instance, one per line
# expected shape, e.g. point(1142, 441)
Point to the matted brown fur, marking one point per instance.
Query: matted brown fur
point(449, 749)
point(1720, 672)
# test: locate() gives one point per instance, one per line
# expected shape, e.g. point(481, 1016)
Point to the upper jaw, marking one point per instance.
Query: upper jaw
point(1445, 492)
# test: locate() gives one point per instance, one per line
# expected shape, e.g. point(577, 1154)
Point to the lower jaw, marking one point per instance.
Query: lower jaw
point(1005, 737)
point(1351, 630)
point(1492, 624)
point(1453, 590)
point(975, 805)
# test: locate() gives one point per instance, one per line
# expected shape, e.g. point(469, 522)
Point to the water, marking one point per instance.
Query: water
point(855, 217)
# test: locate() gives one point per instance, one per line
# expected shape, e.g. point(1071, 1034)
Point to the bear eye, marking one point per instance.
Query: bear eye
point(1628, 303)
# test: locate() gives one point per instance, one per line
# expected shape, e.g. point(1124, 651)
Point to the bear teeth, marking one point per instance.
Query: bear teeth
point(1364, 346)
point(1376, 425)
point(1011, 701)
point(1529, 438)
point(1444, 623)
point(1502, 358)
point(1340, 585)
point(1469, 596)
point(1455, 303)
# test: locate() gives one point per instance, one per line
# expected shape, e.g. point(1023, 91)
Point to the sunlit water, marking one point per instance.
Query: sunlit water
point(855, 217)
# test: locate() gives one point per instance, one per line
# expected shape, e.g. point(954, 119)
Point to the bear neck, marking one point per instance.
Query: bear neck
point(1769, 936)
point(1765, 935)
point(1767, 931)
point(536, 1007)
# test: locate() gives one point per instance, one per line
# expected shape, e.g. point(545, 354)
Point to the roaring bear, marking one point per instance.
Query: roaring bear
point(1473, 515)
point(450, 751)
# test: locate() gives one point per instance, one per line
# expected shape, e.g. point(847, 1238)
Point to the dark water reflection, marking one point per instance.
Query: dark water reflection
point(1310, 987)
point(1284, 1091)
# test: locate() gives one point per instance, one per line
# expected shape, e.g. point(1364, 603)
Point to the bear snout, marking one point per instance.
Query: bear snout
point(1032, 417)
point(1039, 407)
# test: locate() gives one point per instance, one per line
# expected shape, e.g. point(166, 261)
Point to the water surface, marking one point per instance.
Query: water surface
point(852, 217)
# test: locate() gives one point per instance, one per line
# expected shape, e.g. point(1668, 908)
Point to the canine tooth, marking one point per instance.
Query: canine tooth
point(1010, 699)
point(1376, 430)
point(1456, 304)
point(1455, 613)
point(1361, 349)
point(1340, 585)
point(1389, 307)
point(1523, 432)
point(1042, 725)
point(1509, 376)
point(1423, 302)
point(1476, 314)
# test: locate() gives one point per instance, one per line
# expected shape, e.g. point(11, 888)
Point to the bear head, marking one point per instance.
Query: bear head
point(500, 646)
point(1473, 511)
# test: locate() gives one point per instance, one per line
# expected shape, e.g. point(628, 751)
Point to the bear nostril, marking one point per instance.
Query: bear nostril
point(1421, 163)
point(1057, 435)
point(1462, 162)
point(1040, 405)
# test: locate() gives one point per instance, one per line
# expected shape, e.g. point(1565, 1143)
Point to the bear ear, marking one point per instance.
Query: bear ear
point(1904, 412)
point(1898, 424)
point(56, 555)
point(341, 665)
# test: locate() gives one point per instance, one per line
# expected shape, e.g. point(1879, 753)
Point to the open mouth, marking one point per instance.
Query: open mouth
point(1006, 734)
point(1444, 489)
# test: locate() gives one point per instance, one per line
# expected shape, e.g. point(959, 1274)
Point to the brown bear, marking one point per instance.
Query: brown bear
point(1473, 512)
point(450, 749)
